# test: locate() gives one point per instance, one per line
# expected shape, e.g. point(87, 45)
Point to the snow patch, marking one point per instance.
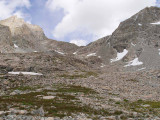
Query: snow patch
point(141, 69)
point(15, 46)
point(102, 65)
point(92, 54)
point(134, 62)
point(60, 52)
point(75, 53)
point(24, 73)
point(35, 51)
point(159, 51)
point(133, 44)
point(156, 23)
point(139, 24)
point(120, 56)
point(48, 97)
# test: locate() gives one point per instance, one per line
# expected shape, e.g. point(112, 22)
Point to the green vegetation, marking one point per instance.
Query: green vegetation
point(140, 106)
point(75, 89)
point(118, 103)
point(24, 88)
point(133, 80)
point(64, 103)
point(75, 76)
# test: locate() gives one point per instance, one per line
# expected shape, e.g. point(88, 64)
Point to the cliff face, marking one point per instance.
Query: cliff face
point(6, 45)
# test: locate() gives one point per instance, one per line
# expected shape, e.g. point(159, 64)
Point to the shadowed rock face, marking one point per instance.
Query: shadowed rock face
point(5, 40)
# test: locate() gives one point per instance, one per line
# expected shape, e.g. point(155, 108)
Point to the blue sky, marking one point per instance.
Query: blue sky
point(75, 21)
point(158, 3)
point(41, 16)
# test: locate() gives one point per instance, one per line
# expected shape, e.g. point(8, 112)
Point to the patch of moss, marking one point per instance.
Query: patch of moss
point(25, 88)
point(133, 80)
point(118, 103)
point(75, 76)
point(139, 106)
point(64, 104)
point(125, 100)
point(75, 89)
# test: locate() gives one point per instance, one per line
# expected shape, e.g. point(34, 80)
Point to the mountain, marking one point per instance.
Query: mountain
point(6, 44)
point(114, 78)
point(25, 37)
point(135, 43)
point(140, 37)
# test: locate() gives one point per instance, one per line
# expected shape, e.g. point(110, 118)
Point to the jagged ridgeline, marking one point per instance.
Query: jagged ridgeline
point(114, 78)
point(18, 36)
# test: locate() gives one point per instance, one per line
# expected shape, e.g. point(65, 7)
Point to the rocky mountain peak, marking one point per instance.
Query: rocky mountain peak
point(13, 22)
point(147, 15)
point(25, 37)
point(17, 24)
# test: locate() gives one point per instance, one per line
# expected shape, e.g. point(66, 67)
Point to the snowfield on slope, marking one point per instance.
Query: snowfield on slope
point(156, 23)
point(120, 56)
point(60, 52)
point(134, 62)
point(24, 73)
point(15, 46)
point(92, 54)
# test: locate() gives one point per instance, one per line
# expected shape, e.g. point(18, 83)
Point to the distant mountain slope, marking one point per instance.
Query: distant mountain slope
point(135, 44)
point(97, 48)
point(140, 36)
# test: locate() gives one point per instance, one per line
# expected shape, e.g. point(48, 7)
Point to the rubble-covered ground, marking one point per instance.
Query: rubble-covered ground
point(46, 86)
point(85, 96)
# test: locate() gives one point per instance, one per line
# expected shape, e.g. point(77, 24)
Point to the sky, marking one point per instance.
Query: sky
point(75, 21)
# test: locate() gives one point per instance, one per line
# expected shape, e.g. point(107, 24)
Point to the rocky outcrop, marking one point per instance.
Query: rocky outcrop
point(6, 45)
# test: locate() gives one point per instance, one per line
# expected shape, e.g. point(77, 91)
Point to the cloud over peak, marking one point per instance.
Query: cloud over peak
point(97, 17)
point(13, 7)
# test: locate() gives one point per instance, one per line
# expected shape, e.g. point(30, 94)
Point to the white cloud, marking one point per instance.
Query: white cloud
point(79, 42)
point(97, 17)
point(12, 7)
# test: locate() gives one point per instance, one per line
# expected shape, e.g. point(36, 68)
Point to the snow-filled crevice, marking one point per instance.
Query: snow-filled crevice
point(92, 54)
point(15, 46)
point(120, 56)
point(60, 52)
